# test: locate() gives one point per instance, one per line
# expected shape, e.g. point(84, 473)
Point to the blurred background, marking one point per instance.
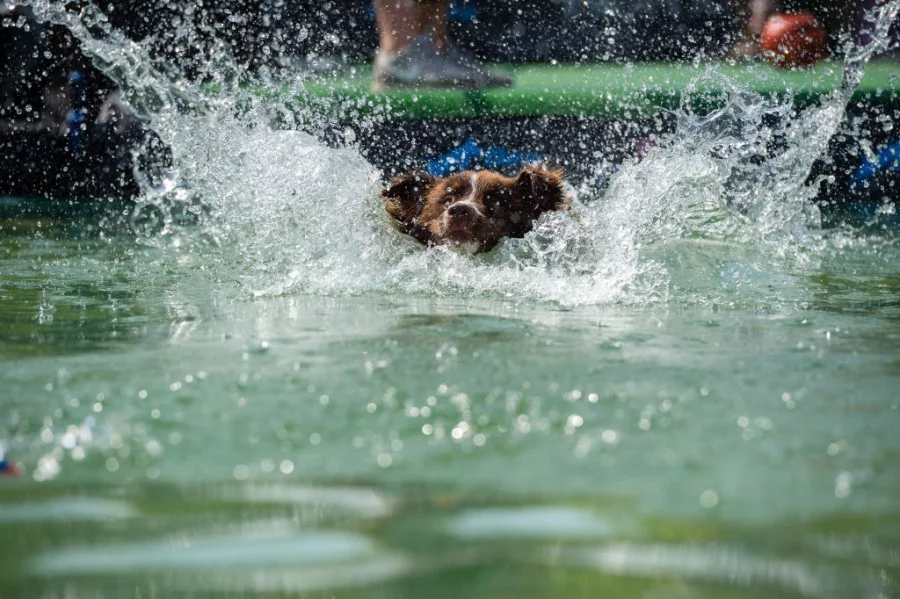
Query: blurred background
point(55, 105)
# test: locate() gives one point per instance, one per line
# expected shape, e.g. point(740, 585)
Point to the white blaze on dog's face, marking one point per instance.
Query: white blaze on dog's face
point(471, 211)
point(462, 219)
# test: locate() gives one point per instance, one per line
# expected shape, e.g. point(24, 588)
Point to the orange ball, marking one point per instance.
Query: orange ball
point(793, 40)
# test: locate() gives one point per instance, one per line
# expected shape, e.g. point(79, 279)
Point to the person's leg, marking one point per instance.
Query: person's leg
point(415, 49)
point(753, 15)
point(433, 21)
point(399, 23)
point(760, 11)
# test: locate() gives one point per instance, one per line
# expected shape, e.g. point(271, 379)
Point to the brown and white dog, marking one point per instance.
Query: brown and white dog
point(473, 210)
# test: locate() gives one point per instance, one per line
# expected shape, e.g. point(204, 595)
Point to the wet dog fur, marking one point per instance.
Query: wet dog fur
point(472, 211)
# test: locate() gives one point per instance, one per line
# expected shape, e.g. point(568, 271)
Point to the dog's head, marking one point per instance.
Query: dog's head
point(473, 210)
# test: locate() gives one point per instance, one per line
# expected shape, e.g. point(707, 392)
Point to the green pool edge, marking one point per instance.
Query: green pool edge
point(613, 91)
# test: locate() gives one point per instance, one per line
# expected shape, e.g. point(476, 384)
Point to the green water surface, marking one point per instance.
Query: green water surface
point(178, 436)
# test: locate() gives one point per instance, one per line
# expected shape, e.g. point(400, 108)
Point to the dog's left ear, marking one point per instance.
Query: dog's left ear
point(405, 195)
point(543, 187)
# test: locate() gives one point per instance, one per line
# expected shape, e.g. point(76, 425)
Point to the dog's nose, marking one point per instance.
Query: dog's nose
point(461, 212)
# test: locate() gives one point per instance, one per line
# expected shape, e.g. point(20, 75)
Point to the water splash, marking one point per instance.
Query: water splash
point(150, 93)
point(291, 215)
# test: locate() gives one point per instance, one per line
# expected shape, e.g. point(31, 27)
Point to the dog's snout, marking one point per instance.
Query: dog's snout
point(461, 211)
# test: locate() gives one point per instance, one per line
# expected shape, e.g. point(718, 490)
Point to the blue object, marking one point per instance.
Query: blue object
point(500, 157)
point(888, 159)
point(6, 467)
point(463, 12)
point(459, 158)
point(466, 155)
point(77, 115)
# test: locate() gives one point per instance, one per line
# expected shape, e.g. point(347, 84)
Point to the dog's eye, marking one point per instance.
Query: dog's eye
point(453, 193)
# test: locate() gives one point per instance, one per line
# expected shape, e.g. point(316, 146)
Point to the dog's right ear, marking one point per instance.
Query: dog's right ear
point(405, 195)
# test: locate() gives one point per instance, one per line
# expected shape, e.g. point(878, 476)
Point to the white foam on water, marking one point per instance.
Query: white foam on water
point(294, 216)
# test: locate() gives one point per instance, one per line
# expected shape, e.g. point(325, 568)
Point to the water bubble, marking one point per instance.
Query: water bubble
point(709, 499)
point(241, 472)
point(460, 430)
point(573, 422)
point(843, 484)
point(47, 468)
point(153, 447)
point(67, 441)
